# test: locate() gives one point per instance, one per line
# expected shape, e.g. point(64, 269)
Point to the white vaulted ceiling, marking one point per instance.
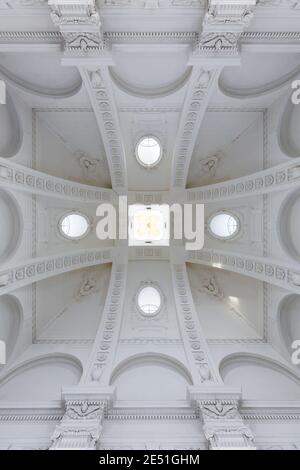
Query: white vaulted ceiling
point(68, 136)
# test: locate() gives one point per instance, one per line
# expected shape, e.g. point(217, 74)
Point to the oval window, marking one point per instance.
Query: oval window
point(224, 225)
point(149, 301)
point(148, 151)
point(74, 226)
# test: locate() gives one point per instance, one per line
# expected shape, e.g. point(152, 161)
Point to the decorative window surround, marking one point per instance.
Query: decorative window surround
point(15, 176)
point(197, 352)
point(201, 85)
point(278, 178)
point(36, 269)
point(261, 268)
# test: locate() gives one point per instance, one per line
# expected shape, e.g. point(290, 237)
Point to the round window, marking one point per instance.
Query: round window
point(74, 226)
point(224, 225)
point(148, 151)
point(149, 301)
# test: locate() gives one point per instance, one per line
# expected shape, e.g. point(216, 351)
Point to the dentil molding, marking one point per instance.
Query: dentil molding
point(36, 269)
point(278, 178)
point(264, 269)
point(201, 85)
point(21, 178)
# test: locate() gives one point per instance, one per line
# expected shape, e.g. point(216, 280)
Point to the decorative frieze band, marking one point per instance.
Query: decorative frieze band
point(101, 360)
point(13, 38)
point(202, 83)
point(98, 86)
point(263, 269)
point(193, 340)
point(278, 178)
point(37, 269)
point(15, 176)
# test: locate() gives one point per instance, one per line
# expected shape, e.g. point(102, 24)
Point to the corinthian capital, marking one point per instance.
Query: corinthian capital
point(223, 24)
point(80, 25)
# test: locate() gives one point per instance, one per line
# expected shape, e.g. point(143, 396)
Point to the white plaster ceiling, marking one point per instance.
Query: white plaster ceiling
point(69, 306)
point(149, 86)
point(39, 73)
point(63, 138)
point(228, 305)
point(259, 74)
point(10, 128)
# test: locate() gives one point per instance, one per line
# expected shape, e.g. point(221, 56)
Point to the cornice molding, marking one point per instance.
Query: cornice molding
point(160, 341)
point(14, 39)
point(31, 37)
point(266, 411)
point(151, 5)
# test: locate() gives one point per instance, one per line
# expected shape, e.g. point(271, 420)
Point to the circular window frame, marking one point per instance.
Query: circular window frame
point(67, 237)
point(136, 151)
point(235, 235)
point(155, 286)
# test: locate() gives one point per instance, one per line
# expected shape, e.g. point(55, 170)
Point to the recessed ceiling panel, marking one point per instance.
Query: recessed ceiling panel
point(10, 129)
point(150, 72)
point(40, 73)
point(259, 74)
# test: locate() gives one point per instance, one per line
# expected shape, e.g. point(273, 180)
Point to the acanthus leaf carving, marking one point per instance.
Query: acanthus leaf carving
point(80, 427)
point(79, 25)
point(224, 427)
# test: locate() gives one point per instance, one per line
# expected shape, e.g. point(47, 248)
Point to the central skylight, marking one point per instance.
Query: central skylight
point(149, 225)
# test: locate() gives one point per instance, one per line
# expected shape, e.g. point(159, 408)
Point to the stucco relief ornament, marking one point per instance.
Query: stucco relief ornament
point(210, 286)
point(83, 410)
point(205, 373)
point(88, 287)
point(86, 42)
point(97, 80)
point(66, 15)
point(204, 79)
point(219, 41)
point(97, 372)
point(88, 164)
point(209, 165)
point(243, 19)
point(220, 411)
